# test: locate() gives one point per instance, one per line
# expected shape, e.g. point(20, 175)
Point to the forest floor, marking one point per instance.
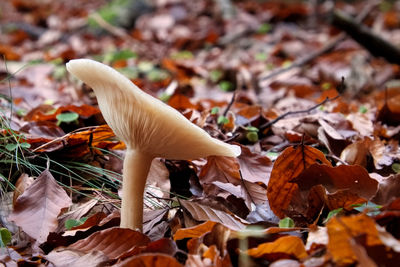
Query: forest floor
point(315, 111)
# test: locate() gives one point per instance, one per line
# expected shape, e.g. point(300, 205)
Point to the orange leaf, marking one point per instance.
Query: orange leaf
point(288, 166)
point(195, 231)
point(180, 102)
point(342, 230)
point(352, 177)
point(289, 245)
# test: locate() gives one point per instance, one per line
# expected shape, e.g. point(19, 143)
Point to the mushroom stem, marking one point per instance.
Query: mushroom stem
point(136, 168)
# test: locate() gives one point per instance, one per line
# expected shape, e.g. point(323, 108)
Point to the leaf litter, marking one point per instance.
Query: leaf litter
point(315, 113)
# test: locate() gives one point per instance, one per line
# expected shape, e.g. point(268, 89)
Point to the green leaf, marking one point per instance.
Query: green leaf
point(59, 72)
point(5, 237)
point(286, 64)
point(182, 55)
point(214, 110)
point(25, 145)
point(332, 213)
point(261, 56)
point(215, 75)
point(396, 167)
point(252, 136)
point(67, 117)
point(145, 66)
point(286, 223)
point(164, 97)
point(70, 223)
point(252, 129)
point(362, 109)
point(370, 208)
point(226, 86)
point(264, 28)
point(222, 120)
point(326, 86)
point(119, 55)
point(11, 146)
point(156, 75)
point(130, 72)
point(272, 155)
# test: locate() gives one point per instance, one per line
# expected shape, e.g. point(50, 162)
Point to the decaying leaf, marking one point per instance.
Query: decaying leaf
point(254, 167)
point(195, 231)
point(149, 260)
point(292, 246)
point(76, 258)
point(205, 213)
point(36, 210)
point(287, 167)
point(113, 242)
point(342, 230)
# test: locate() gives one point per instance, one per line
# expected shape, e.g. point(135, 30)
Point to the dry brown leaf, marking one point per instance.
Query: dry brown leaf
point(254, 167)
point(36, 210)
point(222, 169)
point(23, 182)
point(180, 102)
point(388, 189)
point(76, 213)
point(113, 242)
point(205, 213)
point(158, 179)
point(291, 246)
point(352, 177)
point(149, 260)
point(195, 231)
point(217, 168)
point(66, 257)
point(382, 153)
point(356, 153)
point(288, 166)
point(341, 231)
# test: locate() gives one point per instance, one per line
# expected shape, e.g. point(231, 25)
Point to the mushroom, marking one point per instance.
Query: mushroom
point(149, 128)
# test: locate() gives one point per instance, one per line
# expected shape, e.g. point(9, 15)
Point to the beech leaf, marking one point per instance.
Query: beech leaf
point(113, 242)
point(36, 210)
point(205, 213)
point(288, 166)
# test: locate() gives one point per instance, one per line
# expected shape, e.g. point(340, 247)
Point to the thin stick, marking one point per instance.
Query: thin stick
point(325, 49)
point(270, 123)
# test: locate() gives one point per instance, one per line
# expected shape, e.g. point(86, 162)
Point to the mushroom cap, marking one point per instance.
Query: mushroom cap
point(143, 122)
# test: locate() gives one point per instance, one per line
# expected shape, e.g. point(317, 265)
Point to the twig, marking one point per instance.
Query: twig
point(118, 32)
point(230, 104)
point(270, 123)
point(363, 35)
point(325, 49)
point(61, 138)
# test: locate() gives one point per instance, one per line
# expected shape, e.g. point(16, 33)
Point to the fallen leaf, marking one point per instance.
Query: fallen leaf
point(388, 189)
point(64, 258)
point(36, 210)
point(341, 230)
point(254, 167)
point(23, 182)
point(113, 242)
point(288, 166)
point(205, 213)
point(289, 246)
point(195, 231)
point(149, 260)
